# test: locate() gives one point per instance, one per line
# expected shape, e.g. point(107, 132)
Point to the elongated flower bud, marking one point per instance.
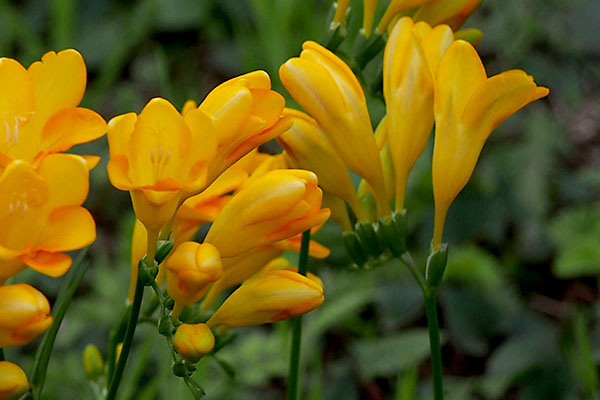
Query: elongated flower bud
point(275, 206)
point(193, 341)
point(13, 381)
point(24, 314)
point(92, 362)
point(267, 298)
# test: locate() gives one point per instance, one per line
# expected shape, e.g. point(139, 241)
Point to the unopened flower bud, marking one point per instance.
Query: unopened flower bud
point(92, 362)
point(193, 341)
point(13, 381)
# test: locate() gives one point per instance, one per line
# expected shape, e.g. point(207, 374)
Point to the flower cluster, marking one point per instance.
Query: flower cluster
point(429, 76)
point(41, 188)
point(200, 166)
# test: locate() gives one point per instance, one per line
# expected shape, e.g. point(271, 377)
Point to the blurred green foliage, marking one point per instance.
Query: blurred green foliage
point(518, 306)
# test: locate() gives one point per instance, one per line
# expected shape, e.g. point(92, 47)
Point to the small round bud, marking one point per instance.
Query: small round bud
point(13, 381)
point(92, 362)
point(193, 341)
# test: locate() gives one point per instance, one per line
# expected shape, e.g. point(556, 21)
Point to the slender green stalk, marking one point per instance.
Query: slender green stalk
point(430, 294)
point(66, 293)
point(590, 375)
point(297, 326)
point(131, 325)
point(412, 267)
point(117, 334)
point(2, 355)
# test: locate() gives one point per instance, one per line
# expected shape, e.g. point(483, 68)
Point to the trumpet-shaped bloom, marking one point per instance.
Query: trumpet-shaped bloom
point(38, 107)
point(468, 107)
point(246, 113)
point(275, 206)
point(308, 148)
point(13, 381)
point(193, 341)
point(190, 269)
point(159, 155)
point(24, 314)
point(269, 297)
point(41, 214)
point(450, 12)
point(328, 90)
point(411, 58)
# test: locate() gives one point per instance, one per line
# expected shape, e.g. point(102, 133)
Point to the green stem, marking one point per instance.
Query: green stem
point(412, 267)
point(297, 325)
point(131, 325)
point(2, 355)
point(430, 294)
point(116, 336)
point(66, 293)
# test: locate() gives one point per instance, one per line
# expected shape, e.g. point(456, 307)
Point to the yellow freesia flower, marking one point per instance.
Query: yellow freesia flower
point(157, 156)
point(193, 341)
point(13, 381)
point(450, 12)
point(190, 270)
point(246, 113)
point(328, 90)
point(269, 297)
point(412, 55)
point(468, 107)
point(41, 214)
point(275, 206)
point(308, 148)
point(24, 314)
point(38, 108)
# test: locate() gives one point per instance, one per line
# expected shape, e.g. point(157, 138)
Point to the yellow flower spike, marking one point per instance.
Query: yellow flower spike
point(396, 7)
point(267, 298)
point(450, 12)
point(328, 90)
point(38, 107)
point(13, 381)
point(159, 157)
point(41, 214)
point(275, 206)
point(190, 270)
point(308, 148)
point(24, 314)
point(468, 107)
point(341, 8)
point(368, 14)
point(246, 113)
point(193, 341)
point(411, 58)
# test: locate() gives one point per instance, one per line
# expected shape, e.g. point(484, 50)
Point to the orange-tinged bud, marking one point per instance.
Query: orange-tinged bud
point(468, 106)
point(13, 381)
point(190, 270)
point(275, 206)
point(24, 314)
point(193, 341)
point(269, 297)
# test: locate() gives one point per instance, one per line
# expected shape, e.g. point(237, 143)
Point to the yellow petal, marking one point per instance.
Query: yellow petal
point(16, 89)
point(59, 81)
point(51, 264)
point(68, 179)
point(68, 228)
point(71, 126)
point(120, 129)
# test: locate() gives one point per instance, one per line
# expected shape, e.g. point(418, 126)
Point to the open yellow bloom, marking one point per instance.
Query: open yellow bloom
point(308, 148)
point(468, 107)
point(269, 297)
point(275, 206)
point(24, 314)
point(13, 381)
point(190, 270)
point(411, 58)
point(193, 341)
point(41, 214)
point(328, 90)
point(450, 12)
point(246, 113)
point(38, 107)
